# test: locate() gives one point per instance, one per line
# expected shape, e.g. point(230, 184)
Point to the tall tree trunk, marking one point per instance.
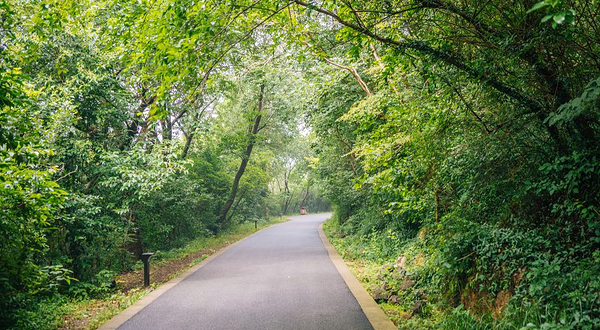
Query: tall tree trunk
point(188, 142)
point(305, 197)
point(288, 196)
point(245, 159)
point(167, 129)
point(237, 203)
point(286, 203)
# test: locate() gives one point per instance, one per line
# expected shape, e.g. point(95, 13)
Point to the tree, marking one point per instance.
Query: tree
point(253, 132)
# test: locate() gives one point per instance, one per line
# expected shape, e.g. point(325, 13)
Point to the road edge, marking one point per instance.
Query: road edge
point(118, 320)
point(374, 313)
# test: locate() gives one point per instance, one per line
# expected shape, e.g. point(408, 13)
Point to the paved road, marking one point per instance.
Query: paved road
point(280, 278)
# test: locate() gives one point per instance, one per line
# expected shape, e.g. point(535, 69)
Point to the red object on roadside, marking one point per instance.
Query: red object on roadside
point(302, 211)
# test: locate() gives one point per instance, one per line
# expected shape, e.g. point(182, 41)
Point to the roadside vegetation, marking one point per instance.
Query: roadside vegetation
point(457, 142)
point(104, 157)
point(468, 198)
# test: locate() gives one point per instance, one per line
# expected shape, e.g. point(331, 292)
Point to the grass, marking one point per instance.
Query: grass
point(92, 313)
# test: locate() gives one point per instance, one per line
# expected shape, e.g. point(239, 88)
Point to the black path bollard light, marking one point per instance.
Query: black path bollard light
point(255, 224)
point(146, 261)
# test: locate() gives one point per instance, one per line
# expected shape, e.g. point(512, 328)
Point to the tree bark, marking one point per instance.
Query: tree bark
point(305, 197)
point(234, 208)
point(245, 159)
point(188, 142)
point(288, 195)
point(354, 73)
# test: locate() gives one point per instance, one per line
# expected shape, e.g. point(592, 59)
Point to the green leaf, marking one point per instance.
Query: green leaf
point(546, 18)
point(538, 5)
point(559, 18)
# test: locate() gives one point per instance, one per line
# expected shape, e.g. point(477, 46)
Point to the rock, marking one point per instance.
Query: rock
point(420, 259)
point(383, 292)
point(386, 287)
point(400, 264)
point(387, 268)
point(416, 309)
point(380, 294)
point(422, 234)
point(407, 283)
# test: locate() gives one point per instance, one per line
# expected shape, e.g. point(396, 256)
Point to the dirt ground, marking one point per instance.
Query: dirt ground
point(159, 273)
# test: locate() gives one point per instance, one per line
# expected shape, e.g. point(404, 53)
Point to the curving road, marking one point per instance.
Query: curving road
point(279, 278)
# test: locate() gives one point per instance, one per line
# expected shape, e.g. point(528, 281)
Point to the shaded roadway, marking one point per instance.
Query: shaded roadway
point(279, 278)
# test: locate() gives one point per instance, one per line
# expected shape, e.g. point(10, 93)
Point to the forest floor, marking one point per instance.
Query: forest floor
point(91, 313)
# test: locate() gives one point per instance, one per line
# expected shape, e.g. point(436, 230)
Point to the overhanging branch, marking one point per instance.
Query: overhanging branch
point(443, 56)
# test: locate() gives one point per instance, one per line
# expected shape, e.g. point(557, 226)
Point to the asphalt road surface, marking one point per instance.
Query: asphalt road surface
point(280, 278)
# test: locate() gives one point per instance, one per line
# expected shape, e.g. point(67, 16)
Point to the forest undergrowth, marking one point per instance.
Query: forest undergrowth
point(405, 275)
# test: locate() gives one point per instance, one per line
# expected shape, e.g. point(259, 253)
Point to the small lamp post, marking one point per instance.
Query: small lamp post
point(146, 261)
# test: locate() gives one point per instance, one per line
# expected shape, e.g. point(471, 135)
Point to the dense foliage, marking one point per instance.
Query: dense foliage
point(108, 152)
point(457, 140)
point(473, 156)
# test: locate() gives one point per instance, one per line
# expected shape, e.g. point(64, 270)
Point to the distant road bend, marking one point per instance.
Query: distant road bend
point(279, 278)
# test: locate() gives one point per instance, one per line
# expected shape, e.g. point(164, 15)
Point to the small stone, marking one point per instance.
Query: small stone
point(387, 268)
point(407, 283)
point(400, 264)
point(380, 294)
point(422, 234)
point(420, 259)
point(416, 309)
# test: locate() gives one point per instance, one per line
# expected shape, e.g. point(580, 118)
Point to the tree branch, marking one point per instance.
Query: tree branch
point(440, 55)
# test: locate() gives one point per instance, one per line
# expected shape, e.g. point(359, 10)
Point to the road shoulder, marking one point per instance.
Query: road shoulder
point(374, 314)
